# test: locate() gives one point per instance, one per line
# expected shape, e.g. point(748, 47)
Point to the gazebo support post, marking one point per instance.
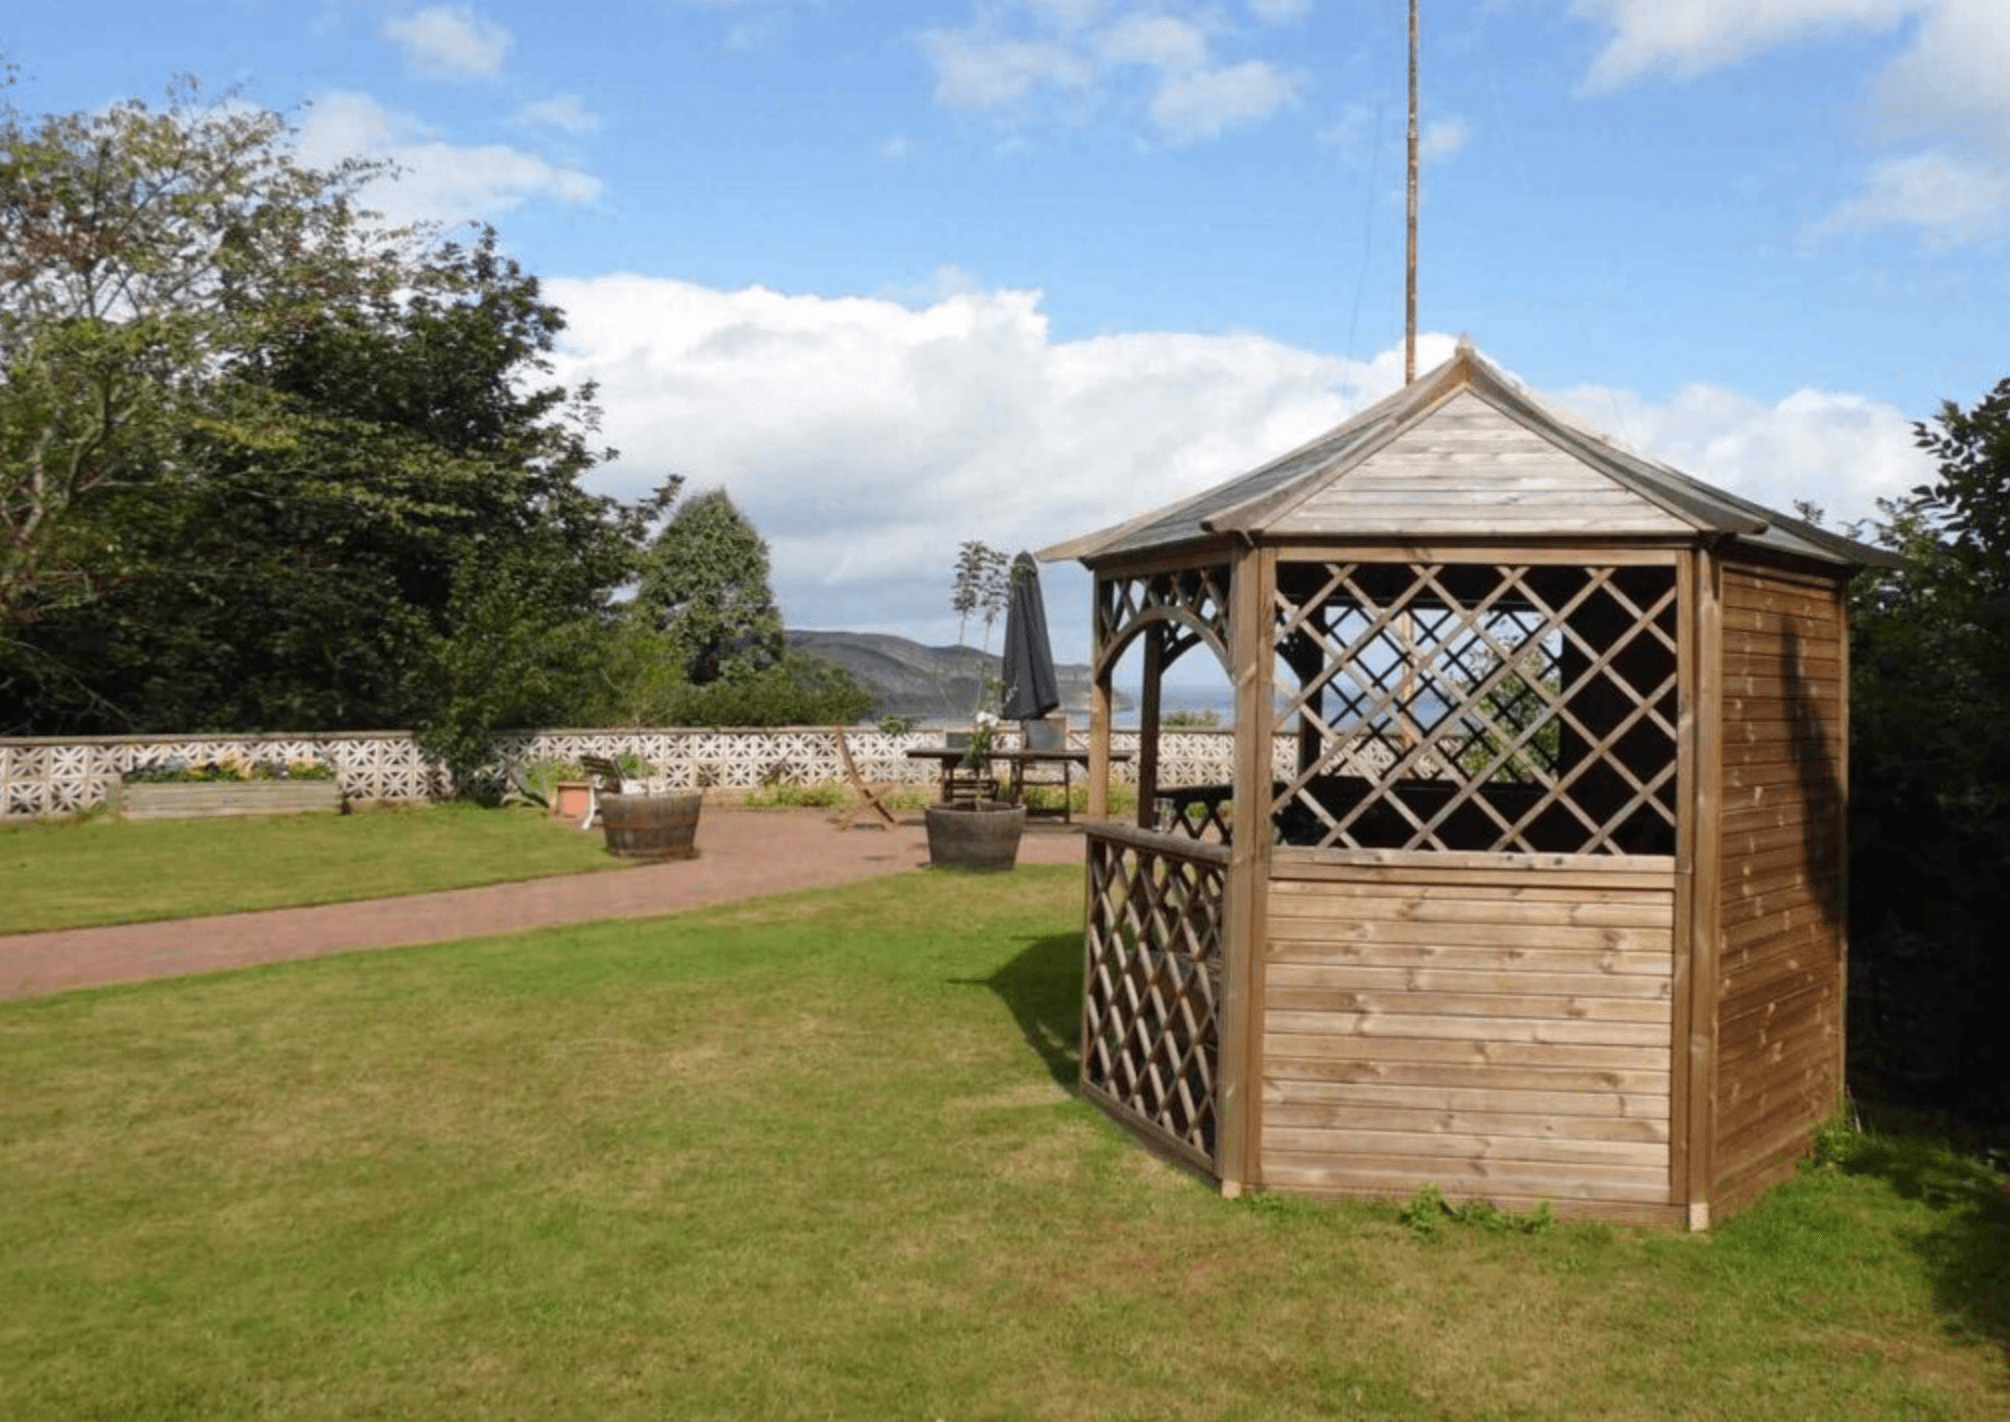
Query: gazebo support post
point(1098, 808)
point(1238, 1092)
point(1148, 730)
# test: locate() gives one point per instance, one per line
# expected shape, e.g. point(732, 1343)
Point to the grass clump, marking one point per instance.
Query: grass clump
point(1427, 1212)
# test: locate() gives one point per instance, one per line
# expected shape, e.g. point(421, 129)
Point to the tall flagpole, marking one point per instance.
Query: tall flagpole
point(1407, 736)
point(1410, 284)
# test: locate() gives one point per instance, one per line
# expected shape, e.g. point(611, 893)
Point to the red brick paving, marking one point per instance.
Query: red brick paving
point(741, 854)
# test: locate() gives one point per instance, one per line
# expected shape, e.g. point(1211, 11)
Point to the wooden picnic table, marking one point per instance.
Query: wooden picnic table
point(1016, 763)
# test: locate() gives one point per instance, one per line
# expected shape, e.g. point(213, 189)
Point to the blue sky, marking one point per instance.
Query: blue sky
point(899, 276)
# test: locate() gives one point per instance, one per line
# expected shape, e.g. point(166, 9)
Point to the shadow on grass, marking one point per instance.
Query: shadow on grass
point(1967, 1250)
point(1043, 988)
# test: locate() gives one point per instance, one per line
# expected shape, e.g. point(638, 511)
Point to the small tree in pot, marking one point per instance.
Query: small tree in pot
point(977, 834)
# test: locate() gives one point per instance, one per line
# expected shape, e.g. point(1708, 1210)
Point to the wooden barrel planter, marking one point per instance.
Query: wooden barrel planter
point(975, 834)
point(651, 826)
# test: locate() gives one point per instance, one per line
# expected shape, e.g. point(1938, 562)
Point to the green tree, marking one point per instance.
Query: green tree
point(267, 464)
point(704, 583)
point(1930, 779)
point(323, 441)
point(139, 252)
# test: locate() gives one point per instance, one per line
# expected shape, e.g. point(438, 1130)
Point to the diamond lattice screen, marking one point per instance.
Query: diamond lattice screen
point(1478, 707)
point(1153, 984)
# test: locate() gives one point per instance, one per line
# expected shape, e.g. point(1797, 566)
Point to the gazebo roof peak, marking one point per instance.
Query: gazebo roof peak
point(1464, 452)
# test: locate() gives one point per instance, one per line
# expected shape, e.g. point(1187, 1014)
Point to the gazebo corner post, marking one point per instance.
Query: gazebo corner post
point(1682, 975)
point(1696, 1059)
point(1239, 1088)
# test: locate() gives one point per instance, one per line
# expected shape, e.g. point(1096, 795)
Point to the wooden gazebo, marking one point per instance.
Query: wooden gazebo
point(1528, 881)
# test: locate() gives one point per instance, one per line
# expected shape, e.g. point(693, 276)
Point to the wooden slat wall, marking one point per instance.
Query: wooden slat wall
point(1495, 1032)
point(1781, 818)
point(1471, 470)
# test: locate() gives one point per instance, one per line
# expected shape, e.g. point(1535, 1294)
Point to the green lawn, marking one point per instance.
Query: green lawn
point(813, 1156)
point(70, 873)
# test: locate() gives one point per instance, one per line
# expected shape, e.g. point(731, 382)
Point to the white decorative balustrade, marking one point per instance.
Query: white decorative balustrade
point(48, 776)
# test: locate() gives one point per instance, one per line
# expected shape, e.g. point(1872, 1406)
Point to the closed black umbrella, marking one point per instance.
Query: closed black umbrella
point(1031, 688)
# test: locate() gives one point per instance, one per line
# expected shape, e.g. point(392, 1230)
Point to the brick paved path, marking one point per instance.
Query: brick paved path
point(741, 854)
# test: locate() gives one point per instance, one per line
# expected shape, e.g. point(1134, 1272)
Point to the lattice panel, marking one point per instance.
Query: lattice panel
point(1469, 706)
point(1152, 989)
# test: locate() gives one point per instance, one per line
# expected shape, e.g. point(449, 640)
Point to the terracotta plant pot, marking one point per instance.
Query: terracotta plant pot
point(571, 798)
point(977, 834)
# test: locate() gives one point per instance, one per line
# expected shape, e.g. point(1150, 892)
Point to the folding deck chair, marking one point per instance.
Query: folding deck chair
point(870, 793)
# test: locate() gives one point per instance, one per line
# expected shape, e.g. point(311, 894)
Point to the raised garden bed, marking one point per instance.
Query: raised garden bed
point(173, 800)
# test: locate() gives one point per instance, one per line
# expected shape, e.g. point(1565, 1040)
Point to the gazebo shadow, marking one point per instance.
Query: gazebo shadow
point(1969, 1257)
point(1042, 986)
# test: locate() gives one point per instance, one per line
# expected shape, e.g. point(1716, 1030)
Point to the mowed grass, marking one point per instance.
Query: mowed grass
point(73, 873)
point(813, 1157)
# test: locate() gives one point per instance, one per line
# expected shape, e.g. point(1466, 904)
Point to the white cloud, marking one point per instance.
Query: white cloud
point(1154, 58)
point(435, 181)
point(1840, 452)
point(1161, 40)
point(1442, 139)
point(867, 438)
point(1691, 37)
point(1068, 16)
point(567, 113)
point(974, 71)
point(451, 41)
point(1954, 82)
point(1280, 12)
point(1951, 200)
point(1949, 83)
point(1205, 102)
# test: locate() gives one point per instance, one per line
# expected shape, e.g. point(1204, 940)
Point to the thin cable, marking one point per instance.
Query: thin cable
point(1368, 210)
